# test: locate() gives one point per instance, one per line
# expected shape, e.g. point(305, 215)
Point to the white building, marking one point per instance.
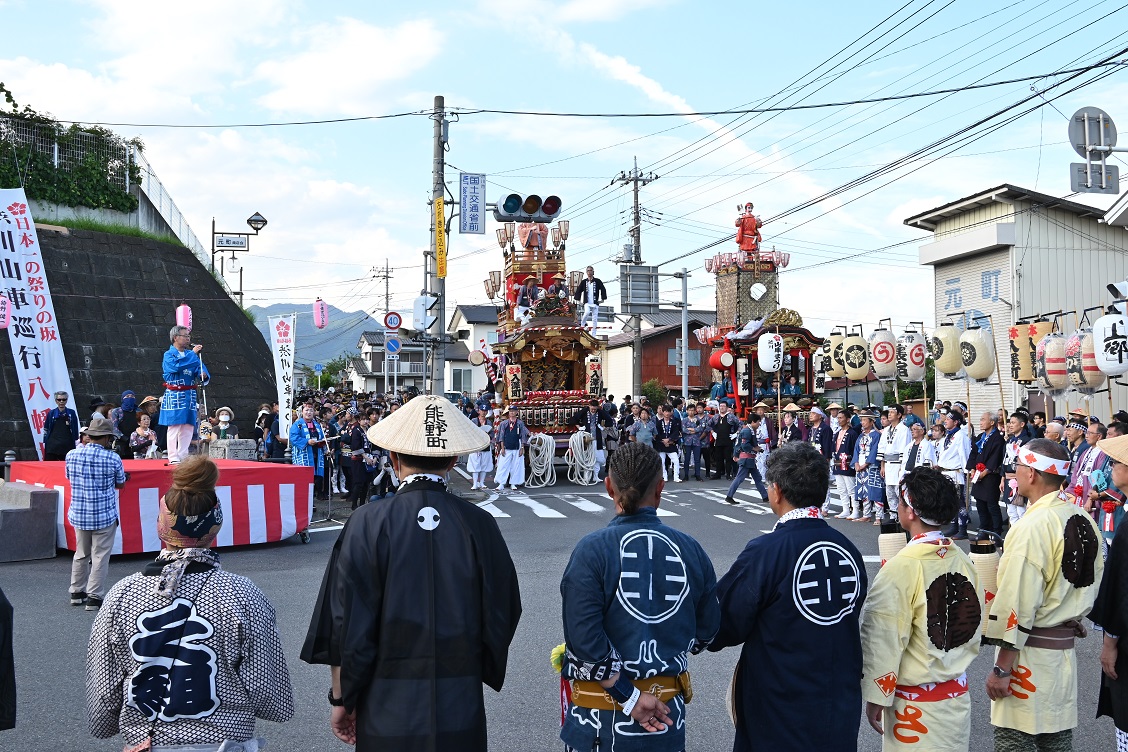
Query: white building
point(1012, 254)
point(473, 325)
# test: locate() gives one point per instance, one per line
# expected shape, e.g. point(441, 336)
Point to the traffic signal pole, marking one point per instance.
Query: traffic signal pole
point(438, 185)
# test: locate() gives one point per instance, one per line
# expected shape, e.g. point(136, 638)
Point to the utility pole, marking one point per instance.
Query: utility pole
point(636, 179)
point(685, 333)
point(438, 186)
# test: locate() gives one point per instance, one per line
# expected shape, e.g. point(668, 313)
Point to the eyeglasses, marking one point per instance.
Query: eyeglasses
point(60, 399)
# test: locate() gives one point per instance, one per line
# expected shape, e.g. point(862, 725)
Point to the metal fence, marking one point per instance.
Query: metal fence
point(77, 146)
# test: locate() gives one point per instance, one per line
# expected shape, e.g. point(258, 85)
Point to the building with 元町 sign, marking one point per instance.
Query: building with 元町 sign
point(1008, 254)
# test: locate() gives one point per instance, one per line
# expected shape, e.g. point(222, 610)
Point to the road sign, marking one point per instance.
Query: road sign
point(392, 320)
point(1102, 131)
point(231, 241)
point(318, 368)
point(392, 357)
point(638, 289)
point(1105, 178)
point(392, 345)
point(472, 203)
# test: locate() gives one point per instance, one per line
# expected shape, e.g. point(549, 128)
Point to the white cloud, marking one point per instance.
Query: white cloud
point(347, 66)
point(600, 10)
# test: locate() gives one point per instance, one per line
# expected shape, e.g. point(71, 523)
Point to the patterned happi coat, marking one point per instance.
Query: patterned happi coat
point(639, 597)
point(178, 406)
point(197, 668)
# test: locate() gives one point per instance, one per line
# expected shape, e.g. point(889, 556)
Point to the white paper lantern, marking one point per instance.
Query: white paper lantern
point(977, 352)
point(911, 355)
point(1053, 381)
point(1081, 363)
point(836, 369)
point(855, 356)
point(743, 376)
point(945, 347)
point(769, 352)
point(883, 354)
point(1018, 344)
point(1110, 344)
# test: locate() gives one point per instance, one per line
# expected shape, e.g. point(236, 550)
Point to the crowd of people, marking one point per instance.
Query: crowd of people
point(420, 602)
point(797, 602)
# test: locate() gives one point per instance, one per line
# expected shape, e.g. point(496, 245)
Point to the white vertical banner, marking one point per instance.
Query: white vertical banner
point(33, 330)
point(282, 337)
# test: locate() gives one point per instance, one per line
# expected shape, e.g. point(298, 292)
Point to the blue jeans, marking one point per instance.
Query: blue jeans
point(743, 470)
point(692, 453)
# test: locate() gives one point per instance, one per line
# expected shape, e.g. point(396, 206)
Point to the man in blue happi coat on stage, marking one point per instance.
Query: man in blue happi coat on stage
point(793, 600)
point(183, 369)
point(639, 598)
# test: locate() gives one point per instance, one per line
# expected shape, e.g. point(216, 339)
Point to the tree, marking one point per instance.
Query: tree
point(328, 376)
point(655, 392)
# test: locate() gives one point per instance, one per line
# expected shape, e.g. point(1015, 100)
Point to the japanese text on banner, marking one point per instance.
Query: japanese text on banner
point(440, 239)
point(283, 335)
point(33, 330)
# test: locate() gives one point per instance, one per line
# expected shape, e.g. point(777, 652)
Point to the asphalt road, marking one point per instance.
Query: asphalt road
point(541, 527)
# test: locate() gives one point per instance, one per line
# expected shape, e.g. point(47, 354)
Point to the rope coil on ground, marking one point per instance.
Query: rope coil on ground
point(581, 459)
point(542, 450)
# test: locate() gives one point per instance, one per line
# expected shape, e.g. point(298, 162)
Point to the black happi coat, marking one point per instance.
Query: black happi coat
point(1111, 612)
point(418, 606)
point(991, 456)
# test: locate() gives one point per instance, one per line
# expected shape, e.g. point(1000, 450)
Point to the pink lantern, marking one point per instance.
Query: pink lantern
point(5, 312)
point(184, 316)
point(709, 265)
point(320, 313)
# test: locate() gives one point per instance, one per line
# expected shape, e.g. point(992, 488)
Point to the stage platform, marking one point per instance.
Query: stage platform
point(262, 502)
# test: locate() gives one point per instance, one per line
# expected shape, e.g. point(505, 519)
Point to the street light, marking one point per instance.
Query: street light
point(235, 242)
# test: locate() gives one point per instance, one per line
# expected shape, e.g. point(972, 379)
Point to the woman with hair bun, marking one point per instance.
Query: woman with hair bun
point(184, 653)
point(639, 597)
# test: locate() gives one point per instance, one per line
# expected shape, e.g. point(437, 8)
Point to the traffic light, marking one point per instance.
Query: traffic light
point(421, 317)
point(532, 208)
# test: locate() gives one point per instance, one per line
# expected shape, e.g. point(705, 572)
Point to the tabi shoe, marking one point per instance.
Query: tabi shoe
point(93, 604)
point(852, 517)
point(877, 521)
point(513, 488)
point(500, 488)
point(843, 515)
point(697, 477)
point(731, 500)
point(77, 599)
point(862, 519)
point(677, 480)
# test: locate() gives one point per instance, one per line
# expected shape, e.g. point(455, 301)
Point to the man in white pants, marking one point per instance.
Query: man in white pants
point(895, 442)
point(182, 369)
point(590, 292)
point(512, 437)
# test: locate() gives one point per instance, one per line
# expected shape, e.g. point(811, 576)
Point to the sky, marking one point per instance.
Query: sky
point(344, 198)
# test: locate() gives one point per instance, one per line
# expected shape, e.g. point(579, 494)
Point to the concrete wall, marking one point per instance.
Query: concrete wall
point(115, 298)
point(146, 217)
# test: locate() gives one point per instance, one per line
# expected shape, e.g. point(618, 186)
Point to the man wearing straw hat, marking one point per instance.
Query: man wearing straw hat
point(1049, 575)
point(920, 628)
point(420, 598)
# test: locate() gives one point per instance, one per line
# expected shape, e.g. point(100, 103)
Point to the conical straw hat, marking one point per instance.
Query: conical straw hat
point(428, 426)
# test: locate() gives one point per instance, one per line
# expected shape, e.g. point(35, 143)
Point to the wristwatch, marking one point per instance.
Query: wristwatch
point(1000, 672)
point(336, 702)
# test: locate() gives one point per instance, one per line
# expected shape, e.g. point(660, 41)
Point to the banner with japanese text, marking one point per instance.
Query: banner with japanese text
point(283, 332)
point(32, 330)
point(440, 239)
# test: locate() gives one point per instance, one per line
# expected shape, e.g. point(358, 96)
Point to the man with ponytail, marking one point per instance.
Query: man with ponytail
point(638, 598)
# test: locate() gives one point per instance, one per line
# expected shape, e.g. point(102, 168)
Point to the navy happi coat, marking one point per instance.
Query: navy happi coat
point(793, 600)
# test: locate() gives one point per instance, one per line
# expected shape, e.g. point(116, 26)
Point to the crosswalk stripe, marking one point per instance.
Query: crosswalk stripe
point(490, 507)
point(728, 519)
point(540, 510)
point(583, 504)
point(667, 513)
point(749, 492)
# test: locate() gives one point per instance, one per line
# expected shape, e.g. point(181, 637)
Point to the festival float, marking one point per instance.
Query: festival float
point(543, 364)
point(756, 339)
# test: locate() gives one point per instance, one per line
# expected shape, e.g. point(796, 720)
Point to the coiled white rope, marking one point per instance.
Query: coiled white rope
point(542, 450)
point(581, 459)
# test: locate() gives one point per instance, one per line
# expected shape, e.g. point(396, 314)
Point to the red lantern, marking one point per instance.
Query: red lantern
point(184, 316)
point(320, 313)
